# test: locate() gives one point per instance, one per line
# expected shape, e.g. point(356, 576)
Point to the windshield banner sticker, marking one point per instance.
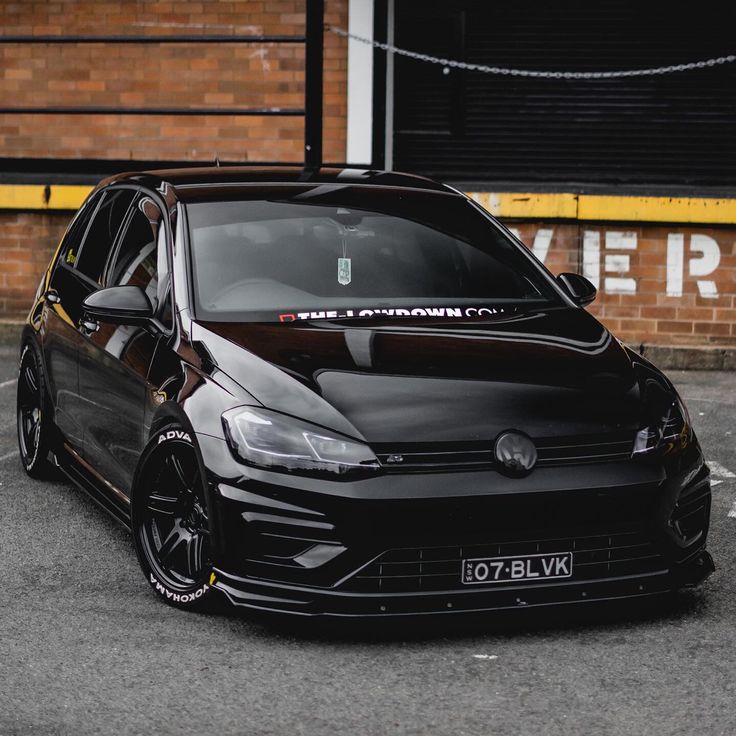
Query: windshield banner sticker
point(452, 312)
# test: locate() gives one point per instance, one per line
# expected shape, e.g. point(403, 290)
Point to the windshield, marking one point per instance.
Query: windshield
point(351, 252)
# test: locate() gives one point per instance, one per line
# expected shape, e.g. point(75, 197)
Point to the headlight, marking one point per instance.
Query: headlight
point(267, 439)
point(671, 433)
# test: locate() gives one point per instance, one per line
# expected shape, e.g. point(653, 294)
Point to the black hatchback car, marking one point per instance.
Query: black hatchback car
point(351, 393)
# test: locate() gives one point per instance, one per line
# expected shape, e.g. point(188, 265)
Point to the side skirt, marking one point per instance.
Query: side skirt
point(104, 494)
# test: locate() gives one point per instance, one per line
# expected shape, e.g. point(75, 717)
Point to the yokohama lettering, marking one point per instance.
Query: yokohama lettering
point(178, 597)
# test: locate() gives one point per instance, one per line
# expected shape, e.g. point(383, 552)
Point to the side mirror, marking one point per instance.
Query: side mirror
point(578, 287)
point(121, 305)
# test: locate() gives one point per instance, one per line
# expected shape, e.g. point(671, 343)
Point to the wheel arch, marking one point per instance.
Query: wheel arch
point(168, 415)
point(28, 333)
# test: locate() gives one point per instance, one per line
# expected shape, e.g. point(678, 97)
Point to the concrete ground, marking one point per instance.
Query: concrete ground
point(86, 648)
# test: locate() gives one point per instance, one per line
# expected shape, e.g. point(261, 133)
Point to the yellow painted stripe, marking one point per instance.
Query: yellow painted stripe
point(516, 204)
point(512, 205)
point(69, 196)
point(608, 207)
point(40, 197)
point(657, 209)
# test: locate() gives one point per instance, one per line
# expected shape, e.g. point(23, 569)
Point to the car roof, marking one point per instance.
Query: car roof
point(191, 184)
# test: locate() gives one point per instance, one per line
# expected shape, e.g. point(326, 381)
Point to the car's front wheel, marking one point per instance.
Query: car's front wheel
point(170, 521)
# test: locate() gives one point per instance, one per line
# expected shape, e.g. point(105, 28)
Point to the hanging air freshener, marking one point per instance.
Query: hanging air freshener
point(344, 267)
point(344, 275)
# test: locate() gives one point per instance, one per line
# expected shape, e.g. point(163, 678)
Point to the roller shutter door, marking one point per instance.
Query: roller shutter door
point(469, 126)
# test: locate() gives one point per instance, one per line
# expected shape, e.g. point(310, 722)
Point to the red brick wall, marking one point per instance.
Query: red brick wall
point(27, 242)
point(167, 75)
point(702, 311)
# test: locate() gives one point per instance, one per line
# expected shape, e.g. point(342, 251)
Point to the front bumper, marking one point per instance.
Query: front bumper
point(308, 602)
point(393, 546)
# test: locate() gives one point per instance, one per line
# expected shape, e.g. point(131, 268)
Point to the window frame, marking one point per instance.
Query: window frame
point(141, 192)
point(97, 284)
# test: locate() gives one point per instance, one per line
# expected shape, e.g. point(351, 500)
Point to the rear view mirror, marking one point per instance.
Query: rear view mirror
point(578, 287)
point(122, 305)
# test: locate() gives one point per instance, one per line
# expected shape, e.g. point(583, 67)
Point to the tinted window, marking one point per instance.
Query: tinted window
point(101, 234)
point(141, 258)
point(73, 236)
point(257, 259)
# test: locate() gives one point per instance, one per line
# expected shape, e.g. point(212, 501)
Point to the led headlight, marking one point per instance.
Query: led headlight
point(671, 433)
point(267, 439)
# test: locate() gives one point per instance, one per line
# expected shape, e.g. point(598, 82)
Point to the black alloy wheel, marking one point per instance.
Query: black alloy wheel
point(32, 421)
point(170, 521)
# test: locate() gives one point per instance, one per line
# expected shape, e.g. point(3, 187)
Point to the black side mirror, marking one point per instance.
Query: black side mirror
point(121, 305)
point(578, 287)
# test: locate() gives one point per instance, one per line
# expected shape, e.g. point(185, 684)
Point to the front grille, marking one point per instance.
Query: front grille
point(615, 554)
point(556, 451)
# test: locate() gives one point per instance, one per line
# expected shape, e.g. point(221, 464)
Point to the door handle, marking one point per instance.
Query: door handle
point(52, 297)
point(88, 326)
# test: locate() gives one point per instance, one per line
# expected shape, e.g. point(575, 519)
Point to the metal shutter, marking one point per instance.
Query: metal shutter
point(469, 126)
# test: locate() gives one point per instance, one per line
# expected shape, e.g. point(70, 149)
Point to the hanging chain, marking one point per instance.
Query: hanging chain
point(454, 64)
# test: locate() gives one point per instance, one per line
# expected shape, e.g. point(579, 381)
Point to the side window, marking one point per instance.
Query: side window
point(75, 233)
point(141, 258)
point(101, 234)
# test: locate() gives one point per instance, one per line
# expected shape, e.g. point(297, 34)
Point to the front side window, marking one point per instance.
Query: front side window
point(353, 252)
point(141, 258)
point(101, 234)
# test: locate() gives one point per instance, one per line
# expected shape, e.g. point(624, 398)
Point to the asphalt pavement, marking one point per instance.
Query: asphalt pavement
point(87, 648)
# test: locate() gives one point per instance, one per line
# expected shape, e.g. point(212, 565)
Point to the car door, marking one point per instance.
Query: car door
point(114, 359)
point(74, 277)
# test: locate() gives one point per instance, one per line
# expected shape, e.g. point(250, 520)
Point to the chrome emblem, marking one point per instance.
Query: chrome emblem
point(515, 453)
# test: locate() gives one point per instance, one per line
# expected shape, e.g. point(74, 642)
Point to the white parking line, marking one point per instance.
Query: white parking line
point(718, 471)
point(8, 383)
point(485, 656)
point(7, 456)
point(710, 401)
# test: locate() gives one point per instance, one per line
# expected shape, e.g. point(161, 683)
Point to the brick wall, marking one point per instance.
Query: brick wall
point(27, 242)
point(167, 75)
point(633, 297)
point(660, 284)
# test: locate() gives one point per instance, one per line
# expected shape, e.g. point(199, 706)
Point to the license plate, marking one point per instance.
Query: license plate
point(485, 570)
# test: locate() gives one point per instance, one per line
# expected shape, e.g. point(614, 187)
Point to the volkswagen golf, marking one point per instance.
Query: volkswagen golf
point(351, 393)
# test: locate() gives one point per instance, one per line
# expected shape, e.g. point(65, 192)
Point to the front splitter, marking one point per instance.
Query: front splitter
point(305, 601)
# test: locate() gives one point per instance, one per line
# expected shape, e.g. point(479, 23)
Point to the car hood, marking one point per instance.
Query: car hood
point(554, 373)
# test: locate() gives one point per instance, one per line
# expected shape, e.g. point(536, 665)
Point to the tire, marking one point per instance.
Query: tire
point(33, 418)
point(170, 521)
